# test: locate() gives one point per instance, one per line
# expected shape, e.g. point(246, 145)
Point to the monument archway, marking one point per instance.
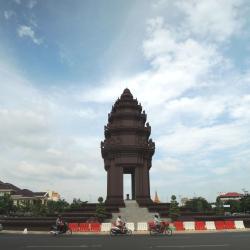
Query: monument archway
point(127, 149)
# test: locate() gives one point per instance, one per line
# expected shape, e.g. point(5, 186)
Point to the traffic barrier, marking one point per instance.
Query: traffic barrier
point(200, 225)
point(95, 227)
point(219, 224)
point(189, 225)
point(130, 225)
point(142, 226)
point(229, 224)
point(84, 227)
point(74, 227)
point(172, 227)
point(239, 224)
point(105, 227)
point(151, 223)
point(210, 225)
point(179, 225)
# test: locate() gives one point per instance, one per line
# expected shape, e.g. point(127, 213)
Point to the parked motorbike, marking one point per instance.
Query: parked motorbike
point(163, 228)
point(120, 231)
point(64, 230)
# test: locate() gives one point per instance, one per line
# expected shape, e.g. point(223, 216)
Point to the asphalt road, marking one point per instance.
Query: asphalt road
point(208, 241)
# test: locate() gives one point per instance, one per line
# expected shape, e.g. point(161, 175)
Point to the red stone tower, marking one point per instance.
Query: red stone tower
point(127, 149)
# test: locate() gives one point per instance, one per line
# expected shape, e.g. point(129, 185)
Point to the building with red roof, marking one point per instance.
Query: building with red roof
point(230, 196)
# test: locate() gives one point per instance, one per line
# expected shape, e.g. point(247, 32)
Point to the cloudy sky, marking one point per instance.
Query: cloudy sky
point(64, 63)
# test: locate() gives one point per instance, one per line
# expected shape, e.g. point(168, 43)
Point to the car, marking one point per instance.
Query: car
point(1, 227)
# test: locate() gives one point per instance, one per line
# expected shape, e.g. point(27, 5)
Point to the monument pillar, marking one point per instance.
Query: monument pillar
point(115, 185)
point(133, 186)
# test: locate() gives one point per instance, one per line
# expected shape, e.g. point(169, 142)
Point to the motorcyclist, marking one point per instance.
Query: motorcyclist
point(120, 223)
point(60, 224)
point(157, 222)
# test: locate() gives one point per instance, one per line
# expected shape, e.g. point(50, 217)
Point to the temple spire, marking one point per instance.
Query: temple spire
point(156, 199)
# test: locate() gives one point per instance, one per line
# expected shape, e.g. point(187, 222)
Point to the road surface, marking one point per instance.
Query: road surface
point(207, 241)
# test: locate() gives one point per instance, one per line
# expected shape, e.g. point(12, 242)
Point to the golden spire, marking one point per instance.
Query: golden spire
point(156, 199)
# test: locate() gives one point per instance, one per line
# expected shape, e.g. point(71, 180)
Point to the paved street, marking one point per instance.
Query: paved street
point(213, 241)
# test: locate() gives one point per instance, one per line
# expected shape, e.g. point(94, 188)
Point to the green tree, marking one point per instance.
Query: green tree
point(38, 209)
point(6, 204)
point(198, 204)
point(245, 203)
point(54, 207)
point(100, 210)
point(25, 207)
point(219, 209)
point(174, 210)
point(235, 206)
point(77, 203)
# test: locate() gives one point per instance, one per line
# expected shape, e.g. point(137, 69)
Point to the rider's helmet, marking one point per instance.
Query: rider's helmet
point(156, 216)
point(119, 216)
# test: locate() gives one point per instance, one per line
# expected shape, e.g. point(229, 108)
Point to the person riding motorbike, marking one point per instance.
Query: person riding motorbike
point(157, 222)
point(120, 223)
point(60, 225)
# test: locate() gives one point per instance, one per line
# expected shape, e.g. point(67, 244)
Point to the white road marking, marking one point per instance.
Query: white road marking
point(63, 246)
point(74, 238)
point(190, 246)
point(176, 236)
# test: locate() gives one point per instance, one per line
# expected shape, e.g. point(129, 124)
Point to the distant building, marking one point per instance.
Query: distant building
point(230, 196)
point(21, 196)
point(53, 196)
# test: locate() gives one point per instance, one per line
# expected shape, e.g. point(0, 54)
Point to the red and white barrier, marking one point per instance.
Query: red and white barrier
point(239, 224)
point(131, 226)
point(142, 226)
point(200, 225)
point(189, 225)
point(105, 227)
point(210, 225)
point(177, 225)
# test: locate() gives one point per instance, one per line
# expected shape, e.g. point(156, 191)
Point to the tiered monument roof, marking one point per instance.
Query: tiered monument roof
point(127, 129)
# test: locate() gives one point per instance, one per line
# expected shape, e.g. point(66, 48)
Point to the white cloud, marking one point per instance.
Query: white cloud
point(31, 4)
point(198, 110)
point(187, 140)
point(26, 31)
point(241, 108)
point(166, 165)
point(8, 14)
point(216, 20)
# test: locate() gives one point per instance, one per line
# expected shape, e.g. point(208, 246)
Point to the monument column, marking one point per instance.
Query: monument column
point(115, 184)
point(133, 185)
point(142, 185)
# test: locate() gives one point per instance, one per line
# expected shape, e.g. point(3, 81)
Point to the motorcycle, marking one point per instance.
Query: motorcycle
point(64, 230)
point(163, 228)
point(120, 231)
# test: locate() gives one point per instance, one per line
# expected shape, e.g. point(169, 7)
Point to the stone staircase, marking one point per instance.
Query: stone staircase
point(133, 213)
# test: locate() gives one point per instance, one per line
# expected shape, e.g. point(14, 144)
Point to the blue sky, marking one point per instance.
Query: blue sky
point(64, 63)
